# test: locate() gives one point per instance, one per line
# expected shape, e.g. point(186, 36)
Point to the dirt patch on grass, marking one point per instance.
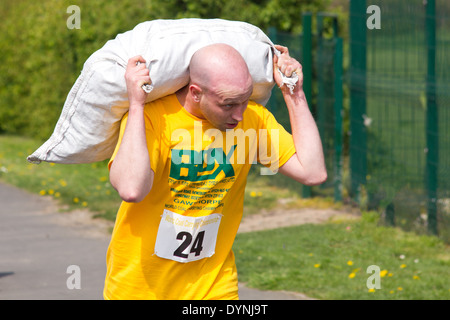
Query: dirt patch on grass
point(272, 219)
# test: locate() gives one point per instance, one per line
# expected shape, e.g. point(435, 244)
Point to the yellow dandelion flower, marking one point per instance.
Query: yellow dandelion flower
point(63, 183)
point(403, 266)
point(76, 200)
point(350, 262)
point(253, 194)
point(51, 191)
point(390, 274)
point(57, 194)
point(317, 265)
point(372, 290)
point(391, 292)
point(103, 179)
point(84, 204)
point(383, 273)
point(400, 289)
point(42, 192)
point(416, 277)
point(352, 275)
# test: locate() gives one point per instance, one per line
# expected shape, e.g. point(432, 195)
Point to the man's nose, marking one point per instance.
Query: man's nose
point(238, 113)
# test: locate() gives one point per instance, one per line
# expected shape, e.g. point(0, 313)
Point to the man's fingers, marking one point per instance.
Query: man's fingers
point(137, 71)
point(288, 65)
point(142, 71)
point(135, 60)
point(282, 49)
point(140, 66)
point(146, 80)
point(137, 75)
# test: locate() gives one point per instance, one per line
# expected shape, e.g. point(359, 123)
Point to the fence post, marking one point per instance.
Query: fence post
point(358, 135)
point(432, 129)
point(307, 71)
point(338, 100)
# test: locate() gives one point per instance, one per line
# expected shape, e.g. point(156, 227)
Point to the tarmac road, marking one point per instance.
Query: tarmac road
point(37, 252)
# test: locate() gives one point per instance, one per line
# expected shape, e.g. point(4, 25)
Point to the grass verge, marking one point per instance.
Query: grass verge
point(331, 261)
point(74, 186)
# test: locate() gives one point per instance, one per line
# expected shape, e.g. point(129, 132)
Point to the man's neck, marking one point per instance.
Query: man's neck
point(181, 95)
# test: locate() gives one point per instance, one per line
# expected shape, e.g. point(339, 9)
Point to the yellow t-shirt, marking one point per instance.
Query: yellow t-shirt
point(177, 242)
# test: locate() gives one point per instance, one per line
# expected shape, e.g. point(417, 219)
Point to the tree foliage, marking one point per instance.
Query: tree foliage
point(41, 57)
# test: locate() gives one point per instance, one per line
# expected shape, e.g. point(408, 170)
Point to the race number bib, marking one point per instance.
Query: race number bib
point(186, 239)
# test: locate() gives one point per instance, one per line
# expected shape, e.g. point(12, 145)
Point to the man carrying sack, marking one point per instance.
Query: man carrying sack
point(180, 166)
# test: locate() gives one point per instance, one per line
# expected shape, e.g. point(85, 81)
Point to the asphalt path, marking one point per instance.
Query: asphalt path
point(46, 256)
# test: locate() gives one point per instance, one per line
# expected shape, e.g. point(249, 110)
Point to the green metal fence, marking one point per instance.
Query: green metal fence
point(398, 80)
point(399, 112)
point(320, 52)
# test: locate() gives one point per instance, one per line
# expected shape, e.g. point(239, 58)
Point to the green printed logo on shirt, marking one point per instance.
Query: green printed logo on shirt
point(192, 165)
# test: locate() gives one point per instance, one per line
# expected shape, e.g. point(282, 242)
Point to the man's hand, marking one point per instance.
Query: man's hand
point(136, 75)
point(287, 65)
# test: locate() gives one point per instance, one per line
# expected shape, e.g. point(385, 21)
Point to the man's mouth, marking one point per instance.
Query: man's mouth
point(231, 125)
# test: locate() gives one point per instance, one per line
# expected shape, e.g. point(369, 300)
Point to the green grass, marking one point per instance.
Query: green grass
point(74, 186)
point(329, 261)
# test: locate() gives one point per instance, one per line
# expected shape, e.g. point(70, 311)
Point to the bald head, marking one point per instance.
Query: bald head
point(220, 86)
point(219, 65)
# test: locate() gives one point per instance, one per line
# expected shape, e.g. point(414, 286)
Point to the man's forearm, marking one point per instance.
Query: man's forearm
point(131, 174)
point(306, 136)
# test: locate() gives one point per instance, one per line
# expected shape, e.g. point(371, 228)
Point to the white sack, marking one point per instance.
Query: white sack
point(88, 128)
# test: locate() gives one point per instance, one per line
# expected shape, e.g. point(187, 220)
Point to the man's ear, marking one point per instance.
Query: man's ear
point(195, 92)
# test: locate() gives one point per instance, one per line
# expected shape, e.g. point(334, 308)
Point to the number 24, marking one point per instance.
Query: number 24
point(196, 248)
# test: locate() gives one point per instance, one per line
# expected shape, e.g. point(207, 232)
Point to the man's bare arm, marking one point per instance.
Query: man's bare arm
point(130, 173)
point(307, 166)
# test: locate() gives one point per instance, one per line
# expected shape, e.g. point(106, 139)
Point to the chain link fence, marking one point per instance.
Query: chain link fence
point(396, 145)
point(399, 119)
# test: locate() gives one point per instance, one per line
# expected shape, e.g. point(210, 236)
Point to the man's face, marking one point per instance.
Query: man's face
point(224, 106)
